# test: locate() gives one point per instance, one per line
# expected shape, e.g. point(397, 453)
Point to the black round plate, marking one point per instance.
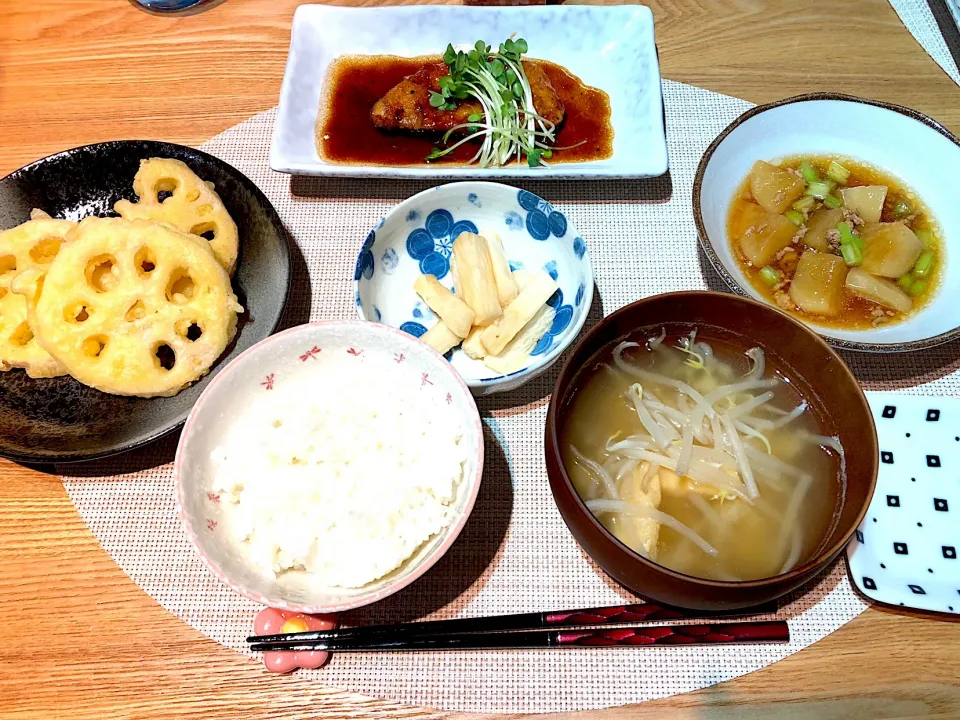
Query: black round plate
point(60, 420)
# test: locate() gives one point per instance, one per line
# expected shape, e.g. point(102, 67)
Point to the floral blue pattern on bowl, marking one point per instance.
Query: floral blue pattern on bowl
point(417, 238)
point(432, 245)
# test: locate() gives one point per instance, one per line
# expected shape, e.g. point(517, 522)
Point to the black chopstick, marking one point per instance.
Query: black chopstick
point(645, 636)
point(587, 617)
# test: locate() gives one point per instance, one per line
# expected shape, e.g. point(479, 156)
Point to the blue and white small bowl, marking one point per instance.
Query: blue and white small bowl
point(416, 238)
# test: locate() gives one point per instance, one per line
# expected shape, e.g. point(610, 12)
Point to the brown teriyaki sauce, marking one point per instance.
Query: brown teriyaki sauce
point(345, 134)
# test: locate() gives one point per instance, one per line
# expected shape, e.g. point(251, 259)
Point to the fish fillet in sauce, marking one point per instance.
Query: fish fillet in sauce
point(406, 106)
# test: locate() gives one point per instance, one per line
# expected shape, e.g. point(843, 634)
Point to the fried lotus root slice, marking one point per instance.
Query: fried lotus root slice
point(171, 192)
point(29, 247)
point(135, 307)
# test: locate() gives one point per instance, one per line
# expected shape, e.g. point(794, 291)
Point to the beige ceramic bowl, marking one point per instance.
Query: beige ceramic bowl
point(298, 356)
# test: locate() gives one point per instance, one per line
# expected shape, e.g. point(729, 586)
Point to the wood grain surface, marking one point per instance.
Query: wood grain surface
point(79, 640)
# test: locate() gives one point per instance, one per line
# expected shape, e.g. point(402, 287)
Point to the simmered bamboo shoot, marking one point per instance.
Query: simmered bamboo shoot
point(441, 338)
point(518, 313)
point(476, 277)
point(452, 310)
point(506, 286)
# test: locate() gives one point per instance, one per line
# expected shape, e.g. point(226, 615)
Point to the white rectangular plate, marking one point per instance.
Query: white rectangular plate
point(611, 48)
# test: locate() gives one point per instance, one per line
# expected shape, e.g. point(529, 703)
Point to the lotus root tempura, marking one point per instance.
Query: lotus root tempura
point(701, 457)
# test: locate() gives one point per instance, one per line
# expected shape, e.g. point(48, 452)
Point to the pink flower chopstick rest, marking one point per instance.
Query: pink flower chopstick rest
point(270, 622)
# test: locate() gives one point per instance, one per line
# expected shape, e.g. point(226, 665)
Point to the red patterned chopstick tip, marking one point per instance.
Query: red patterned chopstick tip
point(775, 631)
point(615, 614)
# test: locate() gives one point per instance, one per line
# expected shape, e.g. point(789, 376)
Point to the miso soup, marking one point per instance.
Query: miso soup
point(702, 457)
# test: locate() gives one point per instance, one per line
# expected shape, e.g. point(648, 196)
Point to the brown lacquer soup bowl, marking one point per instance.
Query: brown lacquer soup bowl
point(817, 372)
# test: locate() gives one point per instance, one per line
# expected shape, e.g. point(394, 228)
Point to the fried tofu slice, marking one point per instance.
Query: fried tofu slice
point(643, 488)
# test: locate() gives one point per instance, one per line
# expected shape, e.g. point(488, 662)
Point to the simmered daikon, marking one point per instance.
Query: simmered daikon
point(870, 287)
point(890, 249)
point(761, 242)
point(774, 188)
point(817, 286)
point(820, 223)
point(745, 215)
point(855, 218)
point(866, 201)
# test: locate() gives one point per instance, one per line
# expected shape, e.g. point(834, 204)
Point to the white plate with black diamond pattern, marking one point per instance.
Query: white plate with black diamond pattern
point(904, 555)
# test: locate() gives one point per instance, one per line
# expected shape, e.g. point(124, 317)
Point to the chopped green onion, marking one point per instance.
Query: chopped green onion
point(924, 264)
point(809, 172)
point(805, 203)
point(848, 238)
point(901, 209)
point(795, 217)
point(770, 275)
point(851, 254)
point(832, 202)
point(917, 287)
point(846, 234)
point(924, 236)
point(904, 282)
point(820, 189)
point(838, 173)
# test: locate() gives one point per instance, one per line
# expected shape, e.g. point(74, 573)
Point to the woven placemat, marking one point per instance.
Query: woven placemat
point(919, 19)
point(515, 553)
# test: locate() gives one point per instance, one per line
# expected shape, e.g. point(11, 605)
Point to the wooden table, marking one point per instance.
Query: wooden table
point(79, 640)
